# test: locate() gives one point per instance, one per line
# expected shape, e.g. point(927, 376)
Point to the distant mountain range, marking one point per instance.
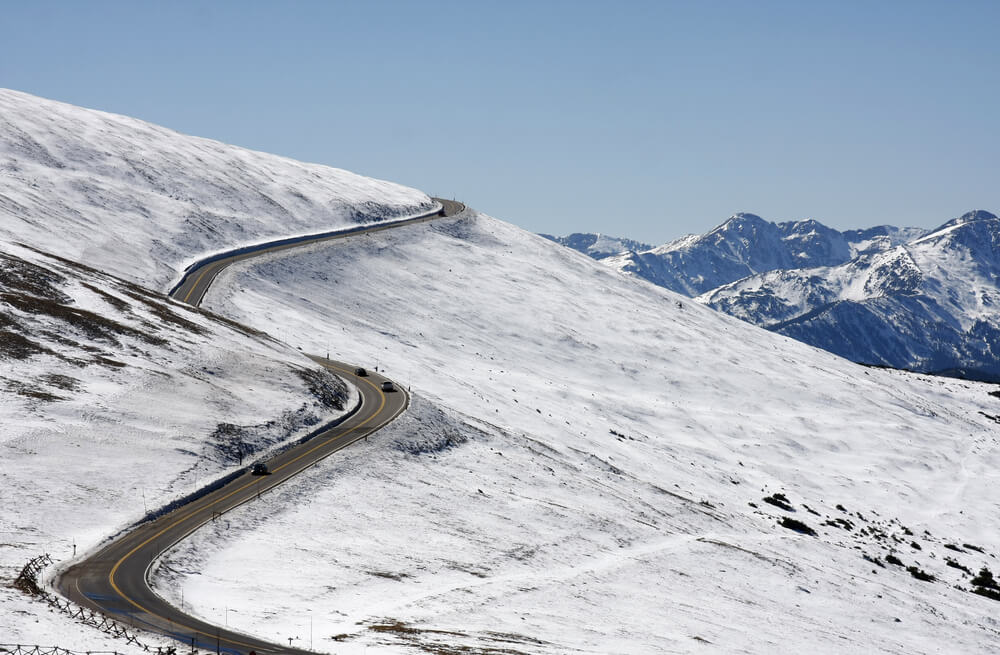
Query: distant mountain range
point(598, 246)
point(925, 300)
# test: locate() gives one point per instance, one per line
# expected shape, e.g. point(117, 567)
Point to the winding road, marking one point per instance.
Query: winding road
point(114, 580)
point(198, 278)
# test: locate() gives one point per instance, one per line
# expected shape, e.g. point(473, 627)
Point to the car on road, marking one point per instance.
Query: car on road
point(360, 372)
point(260, 468)
point(388, 386)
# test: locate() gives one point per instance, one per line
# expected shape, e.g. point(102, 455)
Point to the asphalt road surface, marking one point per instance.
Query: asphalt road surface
point(114, 579)
point(114, 582)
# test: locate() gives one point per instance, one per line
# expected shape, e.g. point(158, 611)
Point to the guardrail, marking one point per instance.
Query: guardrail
point(287, 241)
point(226, 479)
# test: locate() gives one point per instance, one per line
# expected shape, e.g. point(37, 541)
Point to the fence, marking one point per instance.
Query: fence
point(27, 581)
point(24, 649)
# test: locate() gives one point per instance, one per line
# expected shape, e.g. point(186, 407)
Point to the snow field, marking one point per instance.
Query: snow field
point(578, 467)
point(603, 442)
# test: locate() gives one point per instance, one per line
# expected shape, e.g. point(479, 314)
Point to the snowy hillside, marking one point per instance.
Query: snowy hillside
point(141, 201)
point(114, 401)
point(932, 304)
point(747, 244)
point(593, 464)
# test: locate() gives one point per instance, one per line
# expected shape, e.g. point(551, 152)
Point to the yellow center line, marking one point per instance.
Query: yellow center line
point(305, 242)
point(195, 285)
point(118, 564)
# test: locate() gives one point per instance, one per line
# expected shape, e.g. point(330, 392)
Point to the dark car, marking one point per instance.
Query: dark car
point(388, 386)
point(361, 373)
point(260, 468)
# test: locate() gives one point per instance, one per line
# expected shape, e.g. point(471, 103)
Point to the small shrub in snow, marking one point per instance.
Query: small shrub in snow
point(841, 523)
point(779, 500)
point(957, 565)
point(988, 593)
point(920, 574)
point(874, 560)
point(985, 579)
point(797, 526)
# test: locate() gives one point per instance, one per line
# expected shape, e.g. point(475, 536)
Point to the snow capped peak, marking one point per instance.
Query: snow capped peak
point(746, 244)
point(598, 245)
point(745, 216)
point(968, 217)
point(977, 215)
point(742, 221)
point(975, 229)
point(805, 226)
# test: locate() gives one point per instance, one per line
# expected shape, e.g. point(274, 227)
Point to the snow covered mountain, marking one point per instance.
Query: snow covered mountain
point(598, 246)
point(931, 304)
point(899, 297)
point(747, 244)
point(589, 463)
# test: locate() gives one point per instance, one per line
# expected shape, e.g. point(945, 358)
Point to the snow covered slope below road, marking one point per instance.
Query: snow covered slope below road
point(115, 400)
point(932, 304)
point(141, 201)
point(585, 468)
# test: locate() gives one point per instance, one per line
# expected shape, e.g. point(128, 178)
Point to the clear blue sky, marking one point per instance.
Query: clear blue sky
point(640, 119)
